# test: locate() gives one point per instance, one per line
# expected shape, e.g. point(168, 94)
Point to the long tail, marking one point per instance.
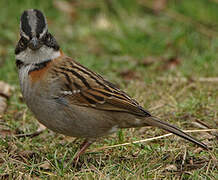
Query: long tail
point(154, 121)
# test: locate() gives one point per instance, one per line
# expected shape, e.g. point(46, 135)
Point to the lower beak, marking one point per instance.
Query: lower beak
point(34, 44)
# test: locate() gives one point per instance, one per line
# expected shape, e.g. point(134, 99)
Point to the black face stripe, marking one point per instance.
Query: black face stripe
point(50, 41)
point(25, 27)
point(41, 22)
point(19, 63)
point(21, 45)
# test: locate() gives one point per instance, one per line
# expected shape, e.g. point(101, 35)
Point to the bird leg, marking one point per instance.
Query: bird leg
point(83, 148)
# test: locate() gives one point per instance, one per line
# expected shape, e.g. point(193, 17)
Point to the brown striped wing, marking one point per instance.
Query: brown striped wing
point(91, 90)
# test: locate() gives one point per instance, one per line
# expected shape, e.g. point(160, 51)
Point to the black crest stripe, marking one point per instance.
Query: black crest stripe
point(41, 23)
point(25, 24)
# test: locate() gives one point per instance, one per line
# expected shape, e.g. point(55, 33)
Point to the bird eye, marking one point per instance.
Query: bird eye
point(48, 38)
point(23, 42)
point(45, 38)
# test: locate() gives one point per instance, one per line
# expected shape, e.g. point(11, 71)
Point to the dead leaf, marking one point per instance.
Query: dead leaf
point(40, 129)
point(171, 63)
point(6, 132)
point(3, 105)
point(149, 61)
point(5, 93)
point(204, 125)
point(102, 22)
point(198, 150)
point(27, 154)
point(171, 167)
point(46, 165)
point(5, 89)
point(129, 75)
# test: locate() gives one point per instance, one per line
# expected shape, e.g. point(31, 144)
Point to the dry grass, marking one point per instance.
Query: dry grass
point(168, 60)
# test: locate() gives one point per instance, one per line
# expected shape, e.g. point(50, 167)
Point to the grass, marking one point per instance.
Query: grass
point(133, 45)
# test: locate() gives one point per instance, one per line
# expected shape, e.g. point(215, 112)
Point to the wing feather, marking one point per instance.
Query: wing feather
point(91, 90)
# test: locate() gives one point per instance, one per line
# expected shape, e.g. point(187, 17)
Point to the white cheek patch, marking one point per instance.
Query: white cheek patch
point(40, 55)
point(24, 35)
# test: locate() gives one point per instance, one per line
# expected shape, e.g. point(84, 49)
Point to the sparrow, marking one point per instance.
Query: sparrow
point(67, 97)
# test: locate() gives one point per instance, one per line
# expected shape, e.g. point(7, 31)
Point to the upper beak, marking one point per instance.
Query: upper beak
point(34, 44)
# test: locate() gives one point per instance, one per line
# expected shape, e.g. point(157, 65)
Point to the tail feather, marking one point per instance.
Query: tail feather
point(154, 121)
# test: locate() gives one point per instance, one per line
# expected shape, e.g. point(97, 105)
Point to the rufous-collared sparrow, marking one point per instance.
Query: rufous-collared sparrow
point(67, 97)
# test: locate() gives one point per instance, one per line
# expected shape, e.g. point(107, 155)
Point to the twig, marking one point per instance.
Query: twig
point(149, 139)
point(157, 107)
point(36, 133)
point(180, 93)
point(203, 125)
point(183, 159)
point(208, 166)
point(28, 134)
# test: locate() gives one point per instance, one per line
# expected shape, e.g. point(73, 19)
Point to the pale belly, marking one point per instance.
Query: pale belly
point(57, 114)
point(73, 120)
point(61, 116)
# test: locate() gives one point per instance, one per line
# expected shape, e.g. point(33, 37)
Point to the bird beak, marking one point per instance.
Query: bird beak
point(34, 44)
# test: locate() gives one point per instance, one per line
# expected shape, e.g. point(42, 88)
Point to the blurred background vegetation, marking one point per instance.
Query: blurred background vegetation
point(168, 49)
